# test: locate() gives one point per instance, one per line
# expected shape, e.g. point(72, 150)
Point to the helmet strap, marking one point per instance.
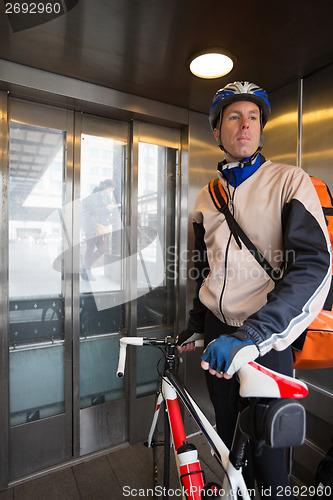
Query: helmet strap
point(219, 140)
point(245, 162)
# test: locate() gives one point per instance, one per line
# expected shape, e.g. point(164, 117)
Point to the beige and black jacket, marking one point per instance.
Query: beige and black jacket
point(278, 209)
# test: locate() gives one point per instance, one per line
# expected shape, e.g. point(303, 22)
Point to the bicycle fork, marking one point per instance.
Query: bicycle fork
point(188, 464)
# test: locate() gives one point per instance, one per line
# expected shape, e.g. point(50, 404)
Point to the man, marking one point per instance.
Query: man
point(243, 313)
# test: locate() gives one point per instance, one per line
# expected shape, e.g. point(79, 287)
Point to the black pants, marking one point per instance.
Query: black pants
point(96, 247)
point(268, 467)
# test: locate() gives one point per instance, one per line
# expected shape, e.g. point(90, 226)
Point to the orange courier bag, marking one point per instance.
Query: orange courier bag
point(317, 350)
point(314, 347)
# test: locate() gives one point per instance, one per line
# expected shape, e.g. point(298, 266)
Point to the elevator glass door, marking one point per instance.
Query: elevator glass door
point(35, 287)
point(102, 257)
point(37, 257)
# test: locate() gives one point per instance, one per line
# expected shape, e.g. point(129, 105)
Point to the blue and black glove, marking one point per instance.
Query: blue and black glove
point(227, 354)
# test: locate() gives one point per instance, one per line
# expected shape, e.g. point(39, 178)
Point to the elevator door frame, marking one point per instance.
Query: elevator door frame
point(141, 407)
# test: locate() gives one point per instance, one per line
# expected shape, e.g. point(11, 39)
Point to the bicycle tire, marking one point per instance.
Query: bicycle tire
point(161, 460)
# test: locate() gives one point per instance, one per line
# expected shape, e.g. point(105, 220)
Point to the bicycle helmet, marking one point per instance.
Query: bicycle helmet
point(239, 91)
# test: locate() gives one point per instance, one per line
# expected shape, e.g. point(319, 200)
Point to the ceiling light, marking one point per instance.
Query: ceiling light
point(211, 64)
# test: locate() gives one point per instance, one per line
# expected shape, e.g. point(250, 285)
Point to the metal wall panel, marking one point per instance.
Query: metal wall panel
point(102, 425)
point(38, 445)
point(317, 148)
point(4, 342)
point(281, 132)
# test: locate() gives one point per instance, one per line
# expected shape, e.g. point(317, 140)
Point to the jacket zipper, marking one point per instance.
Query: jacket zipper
point(231, 198)
point(225, 277)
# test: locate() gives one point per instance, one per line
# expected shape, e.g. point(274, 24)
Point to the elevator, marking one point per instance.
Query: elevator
point(93, 238)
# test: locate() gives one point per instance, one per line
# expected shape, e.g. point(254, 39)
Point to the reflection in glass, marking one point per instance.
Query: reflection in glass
point(36, 300)
point(101, 267)
point(156, 234)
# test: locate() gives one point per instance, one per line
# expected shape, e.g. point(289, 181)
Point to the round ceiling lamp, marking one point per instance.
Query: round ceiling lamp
point(212, 63)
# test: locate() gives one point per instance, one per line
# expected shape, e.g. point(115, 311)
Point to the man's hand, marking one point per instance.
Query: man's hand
point(225, 355)
point(190, 346)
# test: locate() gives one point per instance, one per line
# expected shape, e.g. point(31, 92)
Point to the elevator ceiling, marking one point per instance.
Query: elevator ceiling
point(142, 46)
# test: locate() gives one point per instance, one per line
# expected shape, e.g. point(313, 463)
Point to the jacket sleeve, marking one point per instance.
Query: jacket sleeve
point(196, 321)
point(298, 298)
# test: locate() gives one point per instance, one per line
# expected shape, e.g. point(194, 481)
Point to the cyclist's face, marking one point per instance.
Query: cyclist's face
point(240, 130)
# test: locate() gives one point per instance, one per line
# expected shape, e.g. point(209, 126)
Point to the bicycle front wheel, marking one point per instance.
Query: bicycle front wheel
point(161, 460)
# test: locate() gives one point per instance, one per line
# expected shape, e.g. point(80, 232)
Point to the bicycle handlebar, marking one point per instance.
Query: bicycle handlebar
point(255, 380)
point(140, 341)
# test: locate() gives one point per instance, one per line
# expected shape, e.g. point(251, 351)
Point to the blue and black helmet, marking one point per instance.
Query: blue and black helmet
point(239, 91)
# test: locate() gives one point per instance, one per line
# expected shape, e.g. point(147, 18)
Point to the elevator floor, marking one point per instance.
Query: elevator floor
point(122, 473)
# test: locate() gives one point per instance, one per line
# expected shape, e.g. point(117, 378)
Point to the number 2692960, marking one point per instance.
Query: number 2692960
point(33, 8)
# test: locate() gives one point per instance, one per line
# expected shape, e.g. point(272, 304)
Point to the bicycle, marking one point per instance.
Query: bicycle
point(271, 397)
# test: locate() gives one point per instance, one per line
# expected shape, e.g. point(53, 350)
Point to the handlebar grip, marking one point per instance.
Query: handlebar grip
point(124, 341)
point(199, 343)
point(121, 361)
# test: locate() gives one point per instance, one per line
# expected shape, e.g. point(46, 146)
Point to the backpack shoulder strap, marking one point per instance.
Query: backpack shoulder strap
point(218, 194)
point(220, 200)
